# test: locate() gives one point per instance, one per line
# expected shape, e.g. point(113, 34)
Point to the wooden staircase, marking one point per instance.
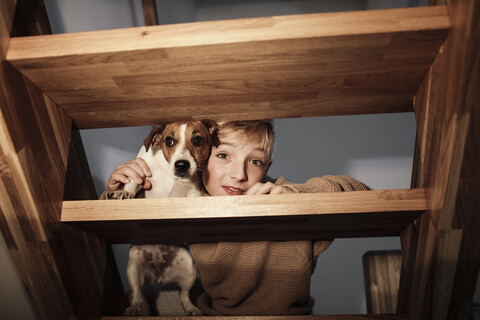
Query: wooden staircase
point(419, 59)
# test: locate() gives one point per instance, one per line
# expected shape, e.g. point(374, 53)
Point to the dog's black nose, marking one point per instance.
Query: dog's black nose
point(182, 165)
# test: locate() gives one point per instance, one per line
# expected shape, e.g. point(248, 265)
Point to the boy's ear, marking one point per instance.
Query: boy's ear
point(154, 138)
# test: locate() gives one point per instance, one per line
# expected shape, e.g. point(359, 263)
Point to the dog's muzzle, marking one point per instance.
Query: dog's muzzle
point(182, 168)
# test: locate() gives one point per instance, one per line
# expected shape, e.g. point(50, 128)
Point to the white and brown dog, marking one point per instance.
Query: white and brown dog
point(175, 154)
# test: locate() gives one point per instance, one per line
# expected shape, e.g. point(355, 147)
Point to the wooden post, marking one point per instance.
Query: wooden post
point(61, 267)
point(441, 251)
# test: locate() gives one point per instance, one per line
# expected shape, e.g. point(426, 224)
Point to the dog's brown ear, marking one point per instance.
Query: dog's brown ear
point(154, 137)
point(212, 129)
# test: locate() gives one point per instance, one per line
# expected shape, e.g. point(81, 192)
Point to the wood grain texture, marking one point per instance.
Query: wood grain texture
point(275, 67)
point(149, 12)
point(61, 267)
point(31, 19)
point(447, 255)
point(78, 181)
point(382, 278)
point(309, 317)
point(274, 217)
point(446, 164)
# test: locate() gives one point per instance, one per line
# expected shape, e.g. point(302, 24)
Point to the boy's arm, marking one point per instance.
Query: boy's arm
point(323, 184)
point(328, 183)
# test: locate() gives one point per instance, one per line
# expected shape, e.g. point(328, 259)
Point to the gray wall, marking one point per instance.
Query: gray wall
point(376, 149)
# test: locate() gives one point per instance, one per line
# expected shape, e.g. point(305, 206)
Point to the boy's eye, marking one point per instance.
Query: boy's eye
point(257, 162)
point(198, 141)
point(222, 156)
point(169, 142)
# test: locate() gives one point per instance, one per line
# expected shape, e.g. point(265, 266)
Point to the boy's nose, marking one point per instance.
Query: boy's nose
point(237, 172)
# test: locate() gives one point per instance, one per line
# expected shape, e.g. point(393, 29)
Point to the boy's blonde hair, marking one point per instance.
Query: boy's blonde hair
point(252, 130)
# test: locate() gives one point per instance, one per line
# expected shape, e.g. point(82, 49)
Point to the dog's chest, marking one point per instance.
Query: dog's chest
point(162, 263)
point(162, 184)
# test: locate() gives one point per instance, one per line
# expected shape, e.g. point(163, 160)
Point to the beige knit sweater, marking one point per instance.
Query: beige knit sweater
point(264, 277)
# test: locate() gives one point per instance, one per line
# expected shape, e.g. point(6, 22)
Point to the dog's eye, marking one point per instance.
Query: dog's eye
point(169, 141)
point(198, 141)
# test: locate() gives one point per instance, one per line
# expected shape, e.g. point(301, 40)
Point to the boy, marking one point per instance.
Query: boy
point(249, 278)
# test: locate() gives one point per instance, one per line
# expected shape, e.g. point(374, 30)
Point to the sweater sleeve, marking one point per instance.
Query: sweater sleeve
point(329, 183)
point(324, 184)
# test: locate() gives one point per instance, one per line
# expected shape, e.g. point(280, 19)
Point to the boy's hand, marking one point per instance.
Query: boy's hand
point(267, 188)
point(136, 170)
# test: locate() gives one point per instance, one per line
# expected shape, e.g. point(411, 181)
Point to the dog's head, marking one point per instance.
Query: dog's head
point(185, 144)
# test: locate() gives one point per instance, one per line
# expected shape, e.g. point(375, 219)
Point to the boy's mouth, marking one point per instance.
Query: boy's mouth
point(232, 191)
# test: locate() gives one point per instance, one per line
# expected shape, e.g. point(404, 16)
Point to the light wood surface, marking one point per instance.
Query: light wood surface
point(275, 67)
point(382, 278)
point(262, 217)
point(441, 250)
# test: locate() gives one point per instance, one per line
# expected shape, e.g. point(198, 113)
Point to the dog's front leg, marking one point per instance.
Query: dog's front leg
point(136, 280)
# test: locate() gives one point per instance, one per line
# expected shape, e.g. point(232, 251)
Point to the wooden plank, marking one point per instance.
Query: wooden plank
point(149, 12)
point(275, 67)
point(446, 164)
point(31, 19)
point(78, 181)
point(447, 250)
point(244, 30)
point(382, 278)
point(372, 201)
point(61, 267)
point(273, 217)
point(308, 317)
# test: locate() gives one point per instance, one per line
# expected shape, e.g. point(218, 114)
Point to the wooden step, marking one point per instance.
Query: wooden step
point(248, 218)
point(275, 67)
point(309, 317)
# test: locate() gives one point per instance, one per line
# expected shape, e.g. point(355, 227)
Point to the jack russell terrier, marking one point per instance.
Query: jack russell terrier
point(175, 154)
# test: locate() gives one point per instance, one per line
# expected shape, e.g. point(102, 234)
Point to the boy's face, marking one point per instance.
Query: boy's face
point(234, 166)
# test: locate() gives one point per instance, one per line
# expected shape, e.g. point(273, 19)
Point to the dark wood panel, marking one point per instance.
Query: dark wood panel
point(438, 275)
point(61, 267)
point(310, 317)
point(321, 227)
point(382, 279)
point(78, 182)
point(30, 19)
point(149, 12)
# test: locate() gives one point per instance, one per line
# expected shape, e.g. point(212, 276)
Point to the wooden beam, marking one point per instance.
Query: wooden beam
point(149, 12)
point(439, 276)
point(275, 67)
point(31, 19)
point(61, 267)
point(382, 278)
point(309, 317)
point(273, 217)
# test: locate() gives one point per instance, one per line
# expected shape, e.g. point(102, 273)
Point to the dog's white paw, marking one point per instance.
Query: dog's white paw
point(133, 311)
point(121, 194)
point(193, 311)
